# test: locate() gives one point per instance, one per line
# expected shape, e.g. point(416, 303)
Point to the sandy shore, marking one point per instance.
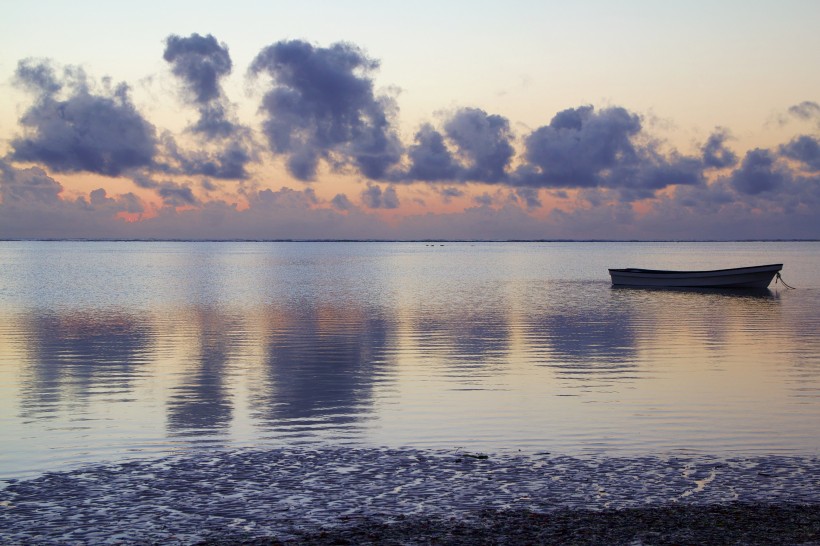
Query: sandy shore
point(355, 496)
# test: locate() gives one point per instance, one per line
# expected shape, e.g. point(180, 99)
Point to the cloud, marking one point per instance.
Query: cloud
point(27, 186)
point(69, 128)
point(578, 147)
point(33, 205)
point(228, 162)
point(430, 159)
point(214, 123)
point(715, 153)
point(474, 147)
point(806, 110)
point(375, 198)
point(172, 193)
point(176, 195)
point(484, 200)
point(529, 196)
point(127, 202)
point(39, 77)
point(758, 173)
point(483, 142)
point(271, 214)
point(322, 107)
point(341, 202)
point(449, 193)
point(642, 178)
point(582, 148)
point(805, 149)
point(208, 185)
point(201, 62)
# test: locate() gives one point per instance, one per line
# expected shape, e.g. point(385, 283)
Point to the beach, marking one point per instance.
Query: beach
point(407, 496)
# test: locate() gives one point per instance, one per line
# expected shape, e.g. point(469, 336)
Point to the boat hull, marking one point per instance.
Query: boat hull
point(740, 277)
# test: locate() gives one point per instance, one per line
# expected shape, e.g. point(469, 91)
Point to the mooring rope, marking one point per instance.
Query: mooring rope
point(779, 278)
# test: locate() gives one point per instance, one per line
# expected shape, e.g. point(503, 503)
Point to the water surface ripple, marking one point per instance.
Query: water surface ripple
point(114, 350)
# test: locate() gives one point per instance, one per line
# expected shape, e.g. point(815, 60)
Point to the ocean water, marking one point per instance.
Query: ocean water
point(118, 350)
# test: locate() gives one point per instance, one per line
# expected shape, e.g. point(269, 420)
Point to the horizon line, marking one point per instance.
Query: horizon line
point(331, 240)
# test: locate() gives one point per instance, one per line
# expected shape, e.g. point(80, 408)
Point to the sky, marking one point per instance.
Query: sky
point(630, 120)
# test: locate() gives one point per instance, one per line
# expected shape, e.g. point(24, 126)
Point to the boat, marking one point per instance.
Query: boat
point(758, 276)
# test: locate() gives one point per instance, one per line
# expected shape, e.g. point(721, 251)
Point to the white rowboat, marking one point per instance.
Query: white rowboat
point(758, 276)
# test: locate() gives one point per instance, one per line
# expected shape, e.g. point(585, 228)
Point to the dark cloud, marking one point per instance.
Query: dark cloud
point(172, 193)
point(213, 122)
point(375, 198)
point(578, 147)
point(805, 149)
point(529, 196)
point(101, 133)
point(641, 179)
point(572, 118)
point(208, 185)
point(715, 153)
point(228, 162)
point(38, 77)
point(449, 193)
point(341, 202)
point(757, 173)
point(483, 142)
point(708, 198)
point(127, 202)
point(27, 186)
point(485, 199)
point(806, 110)
point(430, 159)
point(201, 62)
point(287, 197)
point(322, 107)
point(142, 180)
point(481, 147)
point(33, 205)
point(176, 195)
point(582, 148)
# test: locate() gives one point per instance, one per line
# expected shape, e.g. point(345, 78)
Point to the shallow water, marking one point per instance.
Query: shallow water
point(113, 350)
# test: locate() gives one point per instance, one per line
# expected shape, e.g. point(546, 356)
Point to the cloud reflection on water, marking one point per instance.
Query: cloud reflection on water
point(76, 356)
point(202, 402)
point(464, 361)
point(320, 365)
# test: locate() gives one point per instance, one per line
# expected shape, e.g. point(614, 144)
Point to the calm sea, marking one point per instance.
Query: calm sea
point(115, 350)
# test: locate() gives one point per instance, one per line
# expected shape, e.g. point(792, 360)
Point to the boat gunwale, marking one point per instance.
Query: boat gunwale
point(728, 271)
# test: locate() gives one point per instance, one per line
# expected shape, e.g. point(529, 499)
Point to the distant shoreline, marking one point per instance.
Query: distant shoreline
point(80, 240)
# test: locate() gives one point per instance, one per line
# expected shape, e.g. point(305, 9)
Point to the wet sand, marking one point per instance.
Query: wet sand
point(343, 495)
point(670, 525)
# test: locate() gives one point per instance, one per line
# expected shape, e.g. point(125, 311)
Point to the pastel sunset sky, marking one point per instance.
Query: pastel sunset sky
point(410, 120)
